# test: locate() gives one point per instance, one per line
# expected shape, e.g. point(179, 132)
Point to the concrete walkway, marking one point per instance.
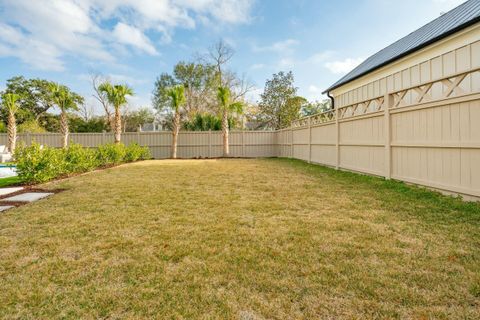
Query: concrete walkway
point(19, 198)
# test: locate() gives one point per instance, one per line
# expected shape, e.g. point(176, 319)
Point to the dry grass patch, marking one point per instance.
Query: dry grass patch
point(245, 239)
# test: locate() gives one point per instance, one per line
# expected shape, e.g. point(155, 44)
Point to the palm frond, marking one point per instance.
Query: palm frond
point(116, 94)
point(237, 107)
point(9, 101)
point(177, 96)
point(223, 96)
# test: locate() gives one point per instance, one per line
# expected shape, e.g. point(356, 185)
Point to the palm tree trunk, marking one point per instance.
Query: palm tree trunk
point(226, 150)
point(12, 132)
point(176, 129)
point(118, 125)
point(64, 128)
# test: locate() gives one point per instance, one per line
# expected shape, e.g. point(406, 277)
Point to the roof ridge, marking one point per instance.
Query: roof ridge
point(452, 21)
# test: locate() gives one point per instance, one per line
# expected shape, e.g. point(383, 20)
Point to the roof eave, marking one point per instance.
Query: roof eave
point(423, 45)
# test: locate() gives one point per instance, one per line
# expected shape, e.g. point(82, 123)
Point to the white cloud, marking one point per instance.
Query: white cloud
point(343, 66)
point(42, 32)
point(228, 11)
point(285, 46)
point(134, 37)
point(38, 54)
point(231, 11)
point(320, 57)
point(286, 63)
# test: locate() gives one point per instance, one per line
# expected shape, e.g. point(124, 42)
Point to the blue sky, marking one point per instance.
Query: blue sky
point(133, 41)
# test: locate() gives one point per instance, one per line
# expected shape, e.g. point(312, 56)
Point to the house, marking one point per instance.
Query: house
point(409, 112)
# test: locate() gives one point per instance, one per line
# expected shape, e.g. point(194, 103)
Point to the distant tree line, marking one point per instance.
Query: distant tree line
point(204, 94)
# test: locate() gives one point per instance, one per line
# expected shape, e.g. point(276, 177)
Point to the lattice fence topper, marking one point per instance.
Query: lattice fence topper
point(322, 117)
point(315, 119)
point(360, 108)
point(448, 87)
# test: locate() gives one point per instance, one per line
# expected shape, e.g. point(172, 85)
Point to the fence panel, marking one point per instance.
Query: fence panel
point(191, 144)
point(427, 134)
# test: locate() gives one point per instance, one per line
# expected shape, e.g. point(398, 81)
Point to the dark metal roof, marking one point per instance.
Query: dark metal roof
point(453, 21)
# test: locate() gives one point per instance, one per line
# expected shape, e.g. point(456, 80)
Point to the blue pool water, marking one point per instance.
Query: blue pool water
point(7, 171)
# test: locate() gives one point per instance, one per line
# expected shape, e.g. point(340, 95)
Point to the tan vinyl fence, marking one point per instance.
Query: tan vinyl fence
point(428, 134)
point(191, 144)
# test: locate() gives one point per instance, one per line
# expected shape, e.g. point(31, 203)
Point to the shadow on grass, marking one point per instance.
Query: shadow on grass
point(397, 196)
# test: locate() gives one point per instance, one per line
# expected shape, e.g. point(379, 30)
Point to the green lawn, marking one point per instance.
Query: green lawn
point(241, 239)
point(10, 181)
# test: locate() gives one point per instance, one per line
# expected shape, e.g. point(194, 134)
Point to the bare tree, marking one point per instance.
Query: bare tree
point(85, 111)
point(97, 79)
point(219, 55)
point(126, 113)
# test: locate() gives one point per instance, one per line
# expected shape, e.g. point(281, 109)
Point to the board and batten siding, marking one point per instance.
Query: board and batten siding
point(416, 120)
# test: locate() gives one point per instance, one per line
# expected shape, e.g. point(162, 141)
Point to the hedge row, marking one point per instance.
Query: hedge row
point(37, 164)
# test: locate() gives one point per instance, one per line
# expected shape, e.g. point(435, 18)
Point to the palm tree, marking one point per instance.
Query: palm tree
point(65, 100)
point(10, 102)
point(226, 107)
point(117, 97)
point(177, 97)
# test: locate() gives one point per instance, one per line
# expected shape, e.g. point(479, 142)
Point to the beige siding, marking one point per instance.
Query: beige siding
point(415, 120)
point(461, 59)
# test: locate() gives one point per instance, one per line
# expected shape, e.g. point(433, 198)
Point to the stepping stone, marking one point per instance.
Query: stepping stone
point(28, 196)
point(3, 208)
point(5, 191)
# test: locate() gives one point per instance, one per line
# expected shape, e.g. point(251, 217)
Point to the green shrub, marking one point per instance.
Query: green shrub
point(111, 153)
point(135, 152)
point(80, 159)
point(36, 164)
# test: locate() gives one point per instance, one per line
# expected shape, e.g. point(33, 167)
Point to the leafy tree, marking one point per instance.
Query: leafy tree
point(206, 122)
point(117, 97)
point(279, 104)
point(198, 81)
point(65, 100)
point(9, 101)
point(177, 100)
point(93, 124)
point(160, 98)
point(35, 97)
point(31, 126)
point(135, 120)
point(311, 108)
point(50, 122)
point(227, 107)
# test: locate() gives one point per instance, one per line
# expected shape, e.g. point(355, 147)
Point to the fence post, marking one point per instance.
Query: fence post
point(291, 142)
point(243, 143)
point(309, 139)
point(103, 136)
point(388, 132)
point(337, 136)
point(210, 143)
